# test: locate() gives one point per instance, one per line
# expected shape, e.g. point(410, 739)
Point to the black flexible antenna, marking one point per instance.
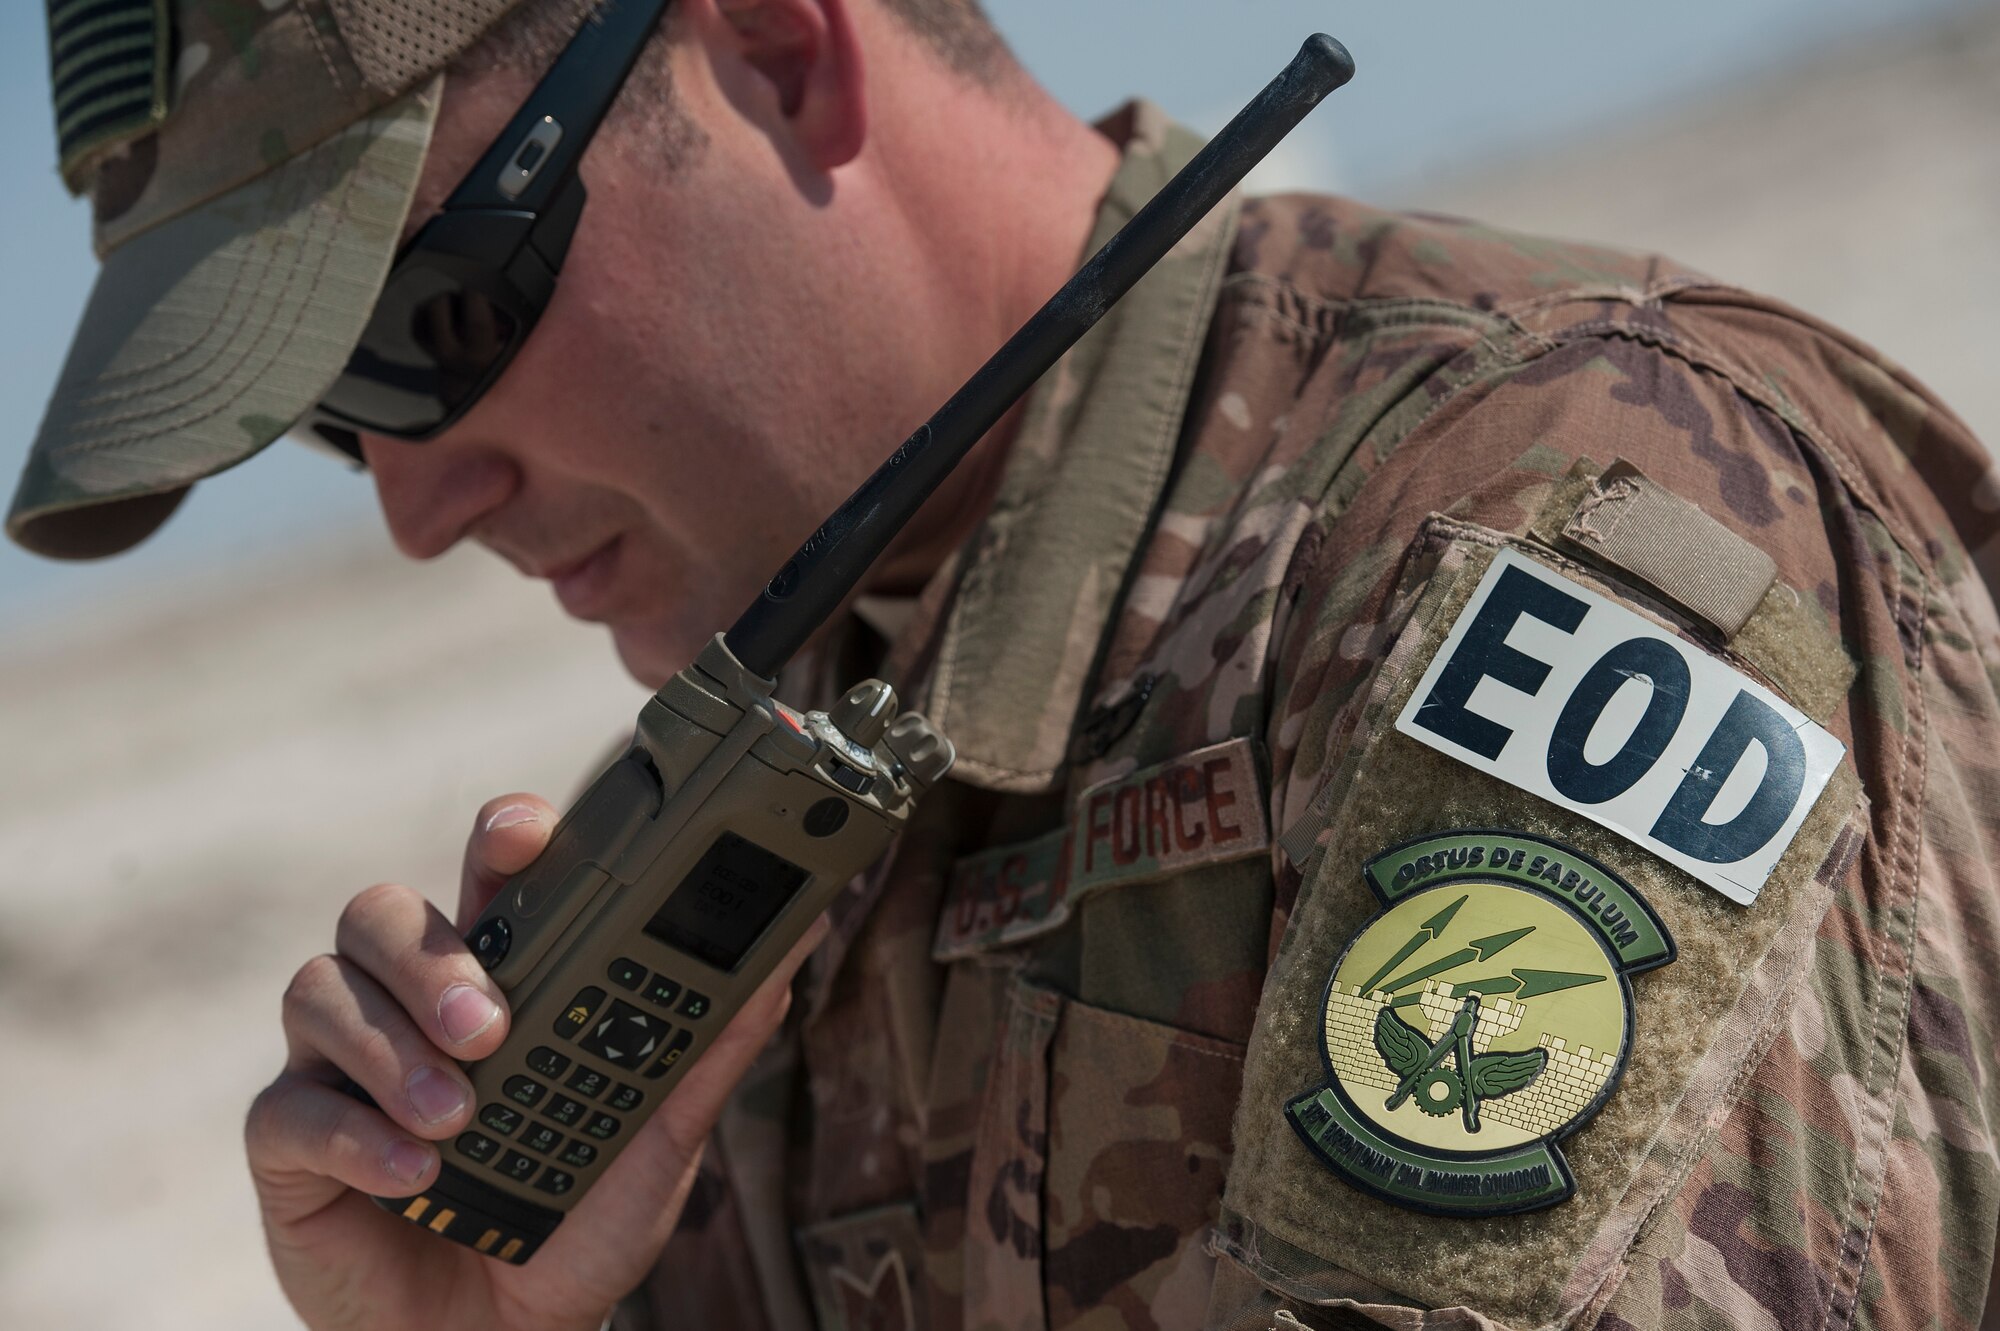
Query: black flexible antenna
point(813, 583)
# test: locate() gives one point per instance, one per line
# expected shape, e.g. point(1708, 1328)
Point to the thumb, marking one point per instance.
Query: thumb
point(508, 834)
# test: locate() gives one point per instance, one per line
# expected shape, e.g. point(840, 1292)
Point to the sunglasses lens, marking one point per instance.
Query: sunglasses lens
point(330, 440)
point(431, 344)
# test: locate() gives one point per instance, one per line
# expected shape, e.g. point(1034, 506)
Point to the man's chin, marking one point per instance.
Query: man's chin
point(652, 657)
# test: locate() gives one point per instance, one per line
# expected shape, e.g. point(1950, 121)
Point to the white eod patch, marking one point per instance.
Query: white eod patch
point(1561, 692)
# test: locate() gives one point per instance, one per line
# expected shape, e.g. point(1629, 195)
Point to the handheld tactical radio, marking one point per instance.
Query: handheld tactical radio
point(692, 865)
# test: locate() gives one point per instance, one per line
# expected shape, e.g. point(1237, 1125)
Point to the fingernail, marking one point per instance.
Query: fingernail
point(464, 1012)
point(435, 1096)
point(406, 1160)
point(511, 815)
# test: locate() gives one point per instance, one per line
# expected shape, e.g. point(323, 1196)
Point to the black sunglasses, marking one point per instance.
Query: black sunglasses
point(465, 292)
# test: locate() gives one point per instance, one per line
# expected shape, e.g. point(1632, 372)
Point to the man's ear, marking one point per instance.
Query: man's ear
point(809, 52)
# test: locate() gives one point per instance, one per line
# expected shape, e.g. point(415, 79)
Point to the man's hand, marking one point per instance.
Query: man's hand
point(395, 1005)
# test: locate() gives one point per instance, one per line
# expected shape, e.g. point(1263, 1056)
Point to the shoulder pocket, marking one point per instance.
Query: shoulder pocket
point(1475, 1072)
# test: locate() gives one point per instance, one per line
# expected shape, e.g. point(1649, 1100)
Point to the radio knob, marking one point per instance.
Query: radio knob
point(924, 754)
point(864, 713)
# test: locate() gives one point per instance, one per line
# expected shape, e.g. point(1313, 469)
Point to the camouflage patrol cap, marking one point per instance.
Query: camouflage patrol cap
point(250, 163)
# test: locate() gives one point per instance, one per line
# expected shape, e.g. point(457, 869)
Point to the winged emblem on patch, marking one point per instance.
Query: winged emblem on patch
point(1420, 1067)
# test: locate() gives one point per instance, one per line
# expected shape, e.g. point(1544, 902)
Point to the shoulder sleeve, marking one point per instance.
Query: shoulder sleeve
point(1626, 751)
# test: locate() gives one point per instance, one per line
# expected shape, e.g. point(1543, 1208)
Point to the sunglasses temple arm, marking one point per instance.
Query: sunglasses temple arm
point(577, 93)
point(817, 579)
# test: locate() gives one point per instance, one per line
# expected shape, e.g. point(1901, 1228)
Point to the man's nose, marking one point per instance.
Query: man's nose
point(434, 493)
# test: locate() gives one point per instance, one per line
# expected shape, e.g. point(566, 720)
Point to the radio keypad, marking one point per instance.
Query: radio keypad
point(577, 1015)
point(624, 1035)
point(587, 1081)
point(616, 1032)
point(517, 1166)
point(477, 1146)
point(671, 1054)
point(501, 1119)
point(547, 1061)
point(541, 1137)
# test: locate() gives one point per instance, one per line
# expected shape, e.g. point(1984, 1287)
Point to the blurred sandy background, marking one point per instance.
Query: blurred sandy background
point(206, 747)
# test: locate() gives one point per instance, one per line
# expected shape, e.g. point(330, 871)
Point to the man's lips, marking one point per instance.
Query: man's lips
point(584, 585)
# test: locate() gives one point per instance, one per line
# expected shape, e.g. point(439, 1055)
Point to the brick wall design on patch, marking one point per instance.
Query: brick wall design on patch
point(1569, 1080)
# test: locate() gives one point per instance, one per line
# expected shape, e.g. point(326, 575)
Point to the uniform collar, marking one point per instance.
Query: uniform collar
point(1043, 575)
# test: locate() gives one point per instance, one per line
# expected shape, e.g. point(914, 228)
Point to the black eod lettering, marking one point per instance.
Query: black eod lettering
point(1483, 653)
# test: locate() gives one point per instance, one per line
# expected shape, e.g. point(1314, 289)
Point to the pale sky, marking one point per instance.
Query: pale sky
point(1440, 85)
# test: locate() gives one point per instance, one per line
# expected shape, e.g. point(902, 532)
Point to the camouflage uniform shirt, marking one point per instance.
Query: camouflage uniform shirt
point(1037, 1076)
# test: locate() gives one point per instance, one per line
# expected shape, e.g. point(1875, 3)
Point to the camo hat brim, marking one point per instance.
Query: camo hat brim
point(250, 165)
point(209, 334)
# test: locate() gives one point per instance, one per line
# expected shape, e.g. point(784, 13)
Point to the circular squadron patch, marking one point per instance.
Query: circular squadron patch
point(1480, 1017)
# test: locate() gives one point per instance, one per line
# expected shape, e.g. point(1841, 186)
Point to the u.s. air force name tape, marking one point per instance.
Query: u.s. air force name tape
point(1557, 690)
point(1205, 807)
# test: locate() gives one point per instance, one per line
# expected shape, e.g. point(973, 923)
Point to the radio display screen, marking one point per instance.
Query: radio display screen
point(730, 896)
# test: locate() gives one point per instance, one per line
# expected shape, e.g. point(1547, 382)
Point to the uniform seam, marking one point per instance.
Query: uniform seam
point(1743, 384)
point(1909, 833)
point(1784, 993)
point(1347, 306)
point(319, 47)
point(1652, 293)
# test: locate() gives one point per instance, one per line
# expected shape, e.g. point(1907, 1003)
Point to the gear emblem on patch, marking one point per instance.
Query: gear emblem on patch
point(1482, 1015)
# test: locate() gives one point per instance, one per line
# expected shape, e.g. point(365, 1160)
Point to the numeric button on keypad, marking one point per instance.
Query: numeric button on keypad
point(554, 1181)
point(517, 1166)
point(541, 1137)
point(626, 973)
point(578, 1153)
point(477, 1146)
point(694, 1006)
point(564, 1110)
point(547, 1061)
point(577, 1015)
point(662, 990)
point(501, 1119)
point(602, 1126)
point(524, 1091)
point(625, 1098)
point(587, 1082)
